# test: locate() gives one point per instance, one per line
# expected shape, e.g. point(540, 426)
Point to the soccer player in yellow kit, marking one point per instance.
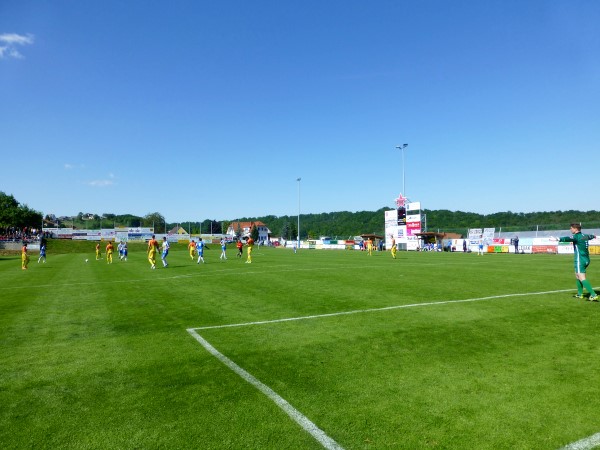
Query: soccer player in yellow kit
point(97, 252)
point(393, 249)
point(109, 252)
point(152, 249)
point(24, 256)
point(249, 245)
point(192, 249)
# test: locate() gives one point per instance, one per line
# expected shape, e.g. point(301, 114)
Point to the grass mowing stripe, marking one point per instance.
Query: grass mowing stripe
point(91, 361)
point(294, 414)
point(385, 308)
point(214, 273)
point(305, 423)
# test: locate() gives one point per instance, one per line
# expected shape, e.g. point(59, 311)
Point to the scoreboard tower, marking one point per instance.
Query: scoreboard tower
point(403, 224)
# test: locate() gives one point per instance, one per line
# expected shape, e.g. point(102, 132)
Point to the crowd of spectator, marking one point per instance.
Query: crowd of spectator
point(15, 234)
point(431, 247)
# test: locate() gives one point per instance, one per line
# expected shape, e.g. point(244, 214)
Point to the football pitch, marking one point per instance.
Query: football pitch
point(319, 349)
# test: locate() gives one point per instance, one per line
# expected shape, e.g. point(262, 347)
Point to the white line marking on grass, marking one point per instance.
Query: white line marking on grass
point(584, 444)
point(303, 421)
point(385, 308)
point(294, 414)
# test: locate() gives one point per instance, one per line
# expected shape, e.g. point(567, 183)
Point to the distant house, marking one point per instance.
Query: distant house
point(177, 230)
point(50, 223)
point(243, 229)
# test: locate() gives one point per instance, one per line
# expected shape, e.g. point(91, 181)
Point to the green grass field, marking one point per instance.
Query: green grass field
point(432, 350)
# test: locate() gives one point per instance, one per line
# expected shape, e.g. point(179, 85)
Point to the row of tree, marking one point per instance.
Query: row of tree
point(459, 222)
point(346, 224)
point(17, 216)
point(152, 220)
point(342, 224)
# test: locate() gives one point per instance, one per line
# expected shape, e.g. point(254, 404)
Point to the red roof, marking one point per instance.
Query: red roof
point(242, 225)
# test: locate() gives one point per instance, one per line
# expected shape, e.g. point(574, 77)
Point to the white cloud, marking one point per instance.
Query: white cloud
point(110, 181)
point(8, 52)
point(13, 38)
point(9, 43)
point(69, 166)
point(101, 183)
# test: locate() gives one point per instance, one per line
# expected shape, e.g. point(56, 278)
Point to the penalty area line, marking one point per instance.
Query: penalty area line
point(385, 308)
point(584, 444)
point(283, 404)
point(327, 442)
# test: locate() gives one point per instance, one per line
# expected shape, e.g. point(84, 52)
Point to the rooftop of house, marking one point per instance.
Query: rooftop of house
point(242, 225)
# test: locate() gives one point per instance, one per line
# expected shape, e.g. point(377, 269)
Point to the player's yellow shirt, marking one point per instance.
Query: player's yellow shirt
point(152, 245)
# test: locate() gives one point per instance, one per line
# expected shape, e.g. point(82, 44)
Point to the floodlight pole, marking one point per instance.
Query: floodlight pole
point(298, 180)
point(402, 147)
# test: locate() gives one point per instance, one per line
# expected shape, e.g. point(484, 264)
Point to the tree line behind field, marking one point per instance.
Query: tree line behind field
point(344, 224)
point(341, 224)
point(17, 216)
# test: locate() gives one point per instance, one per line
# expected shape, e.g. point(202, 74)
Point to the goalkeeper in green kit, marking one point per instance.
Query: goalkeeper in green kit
point(582, 259)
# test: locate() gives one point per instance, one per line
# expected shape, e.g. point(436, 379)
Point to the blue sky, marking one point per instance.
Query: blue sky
point(200, 109)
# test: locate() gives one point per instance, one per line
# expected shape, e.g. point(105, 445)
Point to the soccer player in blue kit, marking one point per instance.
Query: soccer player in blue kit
point(42, 253)
point(223, 249)
point(165, 251)
point(200, 249)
